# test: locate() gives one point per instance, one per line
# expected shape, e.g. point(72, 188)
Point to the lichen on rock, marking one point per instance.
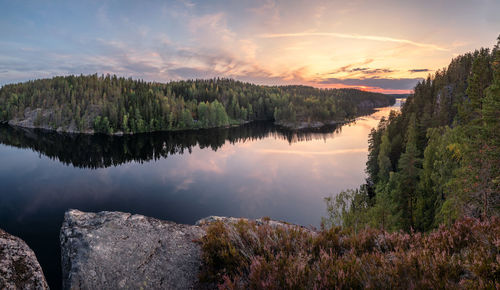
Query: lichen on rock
point(115, 250)
point(19, 268)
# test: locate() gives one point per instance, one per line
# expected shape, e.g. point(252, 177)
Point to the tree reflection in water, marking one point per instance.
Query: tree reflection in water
point(101, 151)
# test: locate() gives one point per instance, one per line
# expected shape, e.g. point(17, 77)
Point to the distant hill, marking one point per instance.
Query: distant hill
point(400, 96)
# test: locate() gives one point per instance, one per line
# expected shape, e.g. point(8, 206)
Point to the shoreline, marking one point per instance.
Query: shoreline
point(298, 126)
point(292, 126)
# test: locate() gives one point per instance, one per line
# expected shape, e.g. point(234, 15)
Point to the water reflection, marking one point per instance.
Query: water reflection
point(101, 151)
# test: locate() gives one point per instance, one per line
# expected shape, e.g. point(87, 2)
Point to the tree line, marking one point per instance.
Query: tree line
point(439, 159)
point(110, 104)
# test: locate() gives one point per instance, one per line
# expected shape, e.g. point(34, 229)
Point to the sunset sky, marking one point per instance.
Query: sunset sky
point(384, 46)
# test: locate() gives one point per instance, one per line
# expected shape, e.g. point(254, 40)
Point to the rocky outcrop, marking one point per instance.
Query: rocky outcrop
point(39, 118)
point(19, 268)
point(113, 250)
point(30, 118)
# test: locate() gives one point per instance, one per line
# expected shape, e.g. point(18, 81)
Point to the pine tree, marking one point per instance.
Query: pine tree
point(384, 162)
point(479, 80)
point(374, 141)
point(491, 103)
point(409, 167)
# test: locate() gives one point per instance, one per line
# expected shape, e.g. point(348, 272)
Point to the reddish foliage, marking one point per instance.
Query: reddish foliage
point(246, 255)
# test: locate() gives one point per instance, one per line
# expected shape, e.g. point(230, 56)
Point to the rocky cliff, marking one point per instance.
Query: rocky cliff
point(19, 268)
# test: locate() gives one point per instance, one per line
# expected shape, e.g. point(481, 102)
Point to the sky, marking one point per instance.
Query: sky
point(384, 46)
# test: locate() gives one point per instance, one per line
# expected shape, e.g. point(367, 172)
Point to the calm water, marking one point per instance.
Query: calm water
point(249, 171)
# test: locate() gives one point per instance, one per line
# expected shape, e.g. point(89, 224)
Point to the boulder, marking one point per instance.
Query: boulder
point(19, 268)
point(114, 250)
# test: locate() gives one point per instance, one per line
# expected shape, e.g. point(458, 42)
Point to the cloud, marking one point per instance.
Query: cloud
point(377, 71)
point(369, 71)
point(188, 3)
point(190, 73)
point(353, 70)
point(383, 83)
point(355, 36)
point(268, 12)
point(419, 70)
point(358, 69)
point(348, 67)
point(225, 55)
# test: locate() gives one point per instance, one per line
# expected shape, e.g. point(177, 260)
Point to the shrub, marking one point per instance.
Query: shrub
point(246, 255)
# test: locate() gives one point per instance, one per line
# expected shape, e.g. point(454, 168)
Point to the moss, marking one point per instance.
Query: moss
point(21, 272)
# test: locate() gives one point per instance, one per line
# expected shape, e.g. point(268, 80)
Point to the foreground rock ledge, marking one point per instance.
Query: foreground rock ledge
point(110, 250)
point(19, 268)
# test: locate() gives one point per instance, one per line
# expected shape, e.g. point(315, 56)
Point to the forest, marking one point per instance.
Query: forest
point(111, 104)
point(436, 161)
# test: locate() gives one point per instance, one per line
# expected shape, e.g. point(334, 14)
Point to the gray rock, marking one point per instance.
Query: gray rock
point(44, 118)
point(19, 268)
point(112, 250)
point(232, 220)
point(30, 117)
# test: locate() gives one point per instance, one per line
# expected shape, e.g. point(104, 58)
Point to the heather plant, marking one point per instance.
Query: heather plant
point(247, 255)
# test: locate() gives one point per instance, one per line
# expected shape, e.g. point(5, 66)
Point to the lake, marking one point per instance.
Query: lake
point(253, 170)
